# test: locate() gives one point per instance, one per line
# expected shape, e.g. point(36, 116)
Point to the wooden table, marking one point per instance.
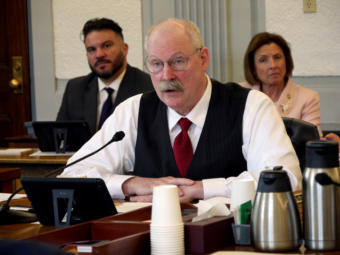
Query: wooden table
point(132, 236)
point(33, 166)
point(8, 177)
point(22, 231)
point(23, 141)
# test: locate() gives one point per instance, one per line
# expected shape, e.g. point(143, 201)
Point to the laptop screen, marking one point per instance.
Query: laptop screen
point(89, 199)
point(61, 136)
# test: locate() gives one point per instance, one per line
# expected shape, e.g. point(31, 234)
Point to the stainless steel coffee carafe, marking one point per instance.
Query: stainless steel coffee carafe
point(275, 221)
point(321, 203)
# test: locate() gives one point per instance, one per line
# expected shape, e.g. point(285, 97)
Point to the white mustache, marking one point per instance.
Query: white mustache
point(170, 85)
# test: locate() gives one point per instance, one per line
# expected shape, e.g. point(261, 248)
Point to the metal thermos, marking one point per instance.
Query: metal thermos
point(321, 216)
point(275, 220)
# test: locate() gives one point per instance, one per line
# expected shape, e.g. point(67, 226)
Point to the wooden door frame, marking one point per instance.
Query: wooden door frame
point(17, 107)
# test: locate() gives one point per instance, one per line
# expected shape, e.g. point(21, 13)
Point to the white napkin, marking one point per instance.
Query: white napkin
point(212, 207)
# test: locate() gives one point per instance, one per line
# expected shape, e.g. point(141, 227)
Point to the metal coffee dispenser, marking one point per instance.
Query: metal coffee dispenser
point(321, 200)
point(275, 221)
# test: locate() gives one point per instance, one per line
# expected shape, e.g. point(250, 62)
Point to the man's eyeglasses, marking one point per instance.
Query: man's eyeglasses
point(177, 62)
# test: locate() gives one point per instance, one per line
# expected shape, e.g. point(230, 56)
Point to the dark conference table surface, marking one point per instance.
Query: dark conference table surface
point(33, 230)
point(22, 231)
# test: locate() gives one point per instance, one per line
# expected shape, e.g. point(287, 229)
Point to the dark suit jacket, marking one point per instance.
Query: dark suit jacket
point(81, 95)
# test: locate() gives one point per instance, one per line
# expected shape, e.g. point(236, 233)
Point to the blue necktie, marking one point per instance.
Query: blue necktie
point(107, 106)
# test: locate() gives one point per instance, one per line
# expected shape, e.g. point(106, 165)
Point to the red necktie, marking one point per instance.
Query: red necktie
point(183, 148)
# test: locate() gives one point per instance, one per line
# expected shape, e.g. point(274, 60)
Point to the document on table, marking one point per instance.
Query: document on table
point(15, 151)
point(51, 153)
point(130, 206)
point(5, 196)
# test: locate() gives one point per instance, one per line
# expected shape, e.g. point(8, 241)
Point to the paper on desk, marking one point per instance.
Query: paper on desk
point(212, 207)
point(5, 196)
point(130, 206)
point(51, 153)
point(14, 151)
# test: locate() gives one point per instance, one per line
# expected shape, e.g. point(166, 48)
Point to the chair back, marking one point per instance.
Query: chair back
point(300, 132)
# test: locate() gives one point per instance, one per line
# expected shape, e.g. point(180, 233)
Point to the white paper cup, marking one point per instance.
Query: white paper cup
point(167, 239)
point(166, 228)
point(166, 209)
point(166, 234)
point(242, 190)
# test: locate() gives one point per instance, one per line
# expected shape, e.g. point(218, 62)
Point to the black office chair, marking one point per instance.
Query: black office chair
point(300, 132)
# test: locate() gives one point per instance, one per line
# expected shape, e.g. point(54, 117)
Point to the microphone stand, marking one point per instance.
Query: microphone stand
point(8, 216)
point(117, 137)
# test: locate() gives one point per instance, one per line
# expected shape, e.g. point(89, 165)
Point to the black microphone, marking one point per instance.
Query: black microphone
point(116, 138)
point(324, 179)
point(8, 216)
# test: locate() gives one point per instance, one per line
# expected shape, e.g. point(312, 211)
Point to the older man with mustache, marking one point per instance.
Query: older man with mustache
point(95, 96)
point(192, 131)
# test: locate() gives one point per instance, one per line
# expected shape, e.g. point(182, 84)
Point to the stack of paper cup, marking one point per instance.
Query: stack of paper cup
point(242, 190)
point(166, 228)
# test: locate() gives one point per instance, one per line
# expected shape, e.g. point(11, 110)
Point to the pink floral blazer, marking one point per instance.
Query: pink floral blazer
point(297, 102)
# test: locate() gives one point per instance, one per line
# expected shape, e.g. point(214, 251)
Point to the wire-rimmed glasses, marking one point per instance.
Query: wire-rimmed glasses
point(177, 62)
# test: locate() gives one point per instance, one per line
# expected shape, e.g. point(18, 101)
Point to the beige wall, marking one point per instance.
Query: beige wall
point(246, 18)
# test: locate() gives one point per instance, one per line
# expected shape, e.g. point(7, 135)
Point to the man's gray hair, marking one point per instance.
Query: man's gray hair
point(190, 28)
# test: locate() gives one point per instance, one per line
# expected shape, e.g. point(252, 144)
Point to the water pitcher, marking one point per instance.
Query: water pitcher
point(275, 220)
point(321, 217)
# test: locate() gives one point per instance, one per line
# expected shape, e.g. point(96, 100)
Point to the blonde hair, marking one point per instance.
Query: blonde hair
point(191, 29)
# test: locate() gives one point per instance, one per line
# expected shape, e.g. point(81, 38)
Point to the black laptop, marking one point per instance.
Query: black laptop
point(61, 136)
point(67, 201)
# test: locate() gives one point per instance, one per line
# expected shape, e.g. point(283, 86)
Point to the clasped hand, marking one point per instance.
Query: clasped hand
point(139, 189)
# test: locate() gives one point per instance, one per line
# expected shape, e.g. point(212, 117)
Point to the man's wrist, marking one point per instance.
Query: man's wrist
point(214, 187)
point(199, 194)
point(127, 187)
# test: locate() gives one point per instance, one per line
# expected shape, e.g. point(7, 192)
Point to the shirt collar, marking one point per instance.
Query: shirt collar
point(197, 115)
point(114, 85)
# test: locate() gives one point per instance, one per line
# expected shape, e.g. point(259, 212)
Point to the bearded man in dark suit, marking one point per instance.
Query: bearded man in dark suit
point(85, 97)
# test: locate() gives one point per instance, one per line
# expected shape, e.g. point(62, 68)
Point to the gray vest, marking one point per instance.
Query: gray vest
point(219, 150)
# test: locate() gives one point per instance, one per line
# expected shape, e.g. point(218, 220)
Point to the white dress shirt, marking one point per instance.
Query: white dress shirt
point(265, 144)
